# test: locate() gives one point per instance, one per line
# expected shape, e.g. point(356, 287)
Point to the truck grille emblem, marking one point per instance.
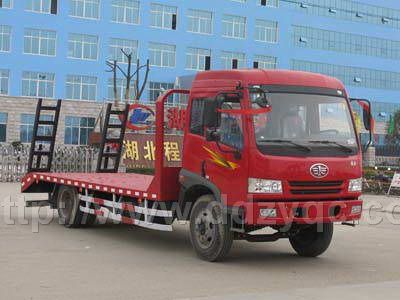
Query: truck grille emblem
point(319, 170)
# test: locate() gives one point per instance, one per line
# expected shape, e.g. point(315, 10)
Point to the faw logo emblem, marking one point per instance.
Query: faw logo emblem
point(319, 170)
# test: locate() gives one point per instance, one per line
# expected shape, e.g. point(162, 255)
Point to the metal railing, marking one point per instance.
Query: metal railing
point(388, 150)
point(76, 159)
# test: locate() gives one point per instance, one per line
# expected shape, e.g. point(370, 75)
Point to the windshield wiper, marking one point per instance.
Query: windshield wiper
point(299, 146)
point(343, 147)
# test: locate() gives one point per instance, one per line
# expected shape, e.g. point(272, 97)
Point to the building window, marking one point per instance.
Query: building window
point(3, 126)
point(82, 46)
point(89, 9)
point(129, 46)
point(81, 87)
point(121, 88)
point(350, 10)
point(5, 38)
point(77, 130)
point(41, 42)
point(198, 59)
point(355, 76)
point(163, 16)
point(266, 31)
point(162, 55)
point(264, 62)
point(42, 6)
point(4, 81)
point(381, 111)
point(26, 127)
point(233, 60)
point(125, 11)
point(199, 21)
point(314, 38)
point(272, 3)
point(6, 4)
point(234, 26)
point(38, 84)
point(157, 88)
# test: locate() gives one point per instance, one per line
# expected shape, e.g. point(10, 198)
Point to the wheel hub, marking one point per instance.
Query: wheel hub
point(65, 206)
point(205, 229)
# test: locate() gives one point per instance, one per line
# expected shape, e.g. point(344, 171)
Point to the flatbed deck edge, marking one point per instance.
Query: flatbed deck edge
point(35, 177)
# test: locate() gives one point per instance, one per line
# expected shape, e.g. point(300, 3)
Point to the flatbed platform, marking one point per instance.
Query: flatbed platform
point(125, 184)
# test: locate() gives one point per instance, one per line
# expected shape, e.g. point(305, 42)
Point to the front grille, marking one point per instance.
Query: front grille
point(315, 187)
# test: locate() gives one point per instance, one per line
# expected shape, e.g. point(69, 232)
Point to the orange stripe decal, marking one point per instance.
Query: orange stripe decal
point(221, 161)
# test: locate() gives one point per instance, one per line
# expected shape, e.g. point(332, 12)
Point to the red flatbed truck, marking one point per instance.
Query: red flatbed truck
point(261, 149)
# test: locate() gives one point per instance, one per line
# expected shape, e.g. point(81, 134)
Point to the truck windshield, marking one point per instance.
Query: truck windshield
point(305, 125)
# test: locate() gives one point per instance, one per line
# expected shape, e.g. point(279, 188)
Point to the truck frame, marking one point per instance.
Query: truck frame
point(227, 191)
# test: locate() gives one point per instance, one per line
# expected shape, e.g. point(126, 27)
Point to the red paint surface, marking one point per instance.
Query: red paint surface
point(316, 212)
point(117, 181)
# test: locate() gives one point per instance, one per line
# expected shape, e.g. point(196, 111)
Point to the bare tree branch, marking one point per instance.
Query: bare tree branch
point(122, 71)
point(110, 65)
point(137, 80)
point(113, 69)
point(125, 53)
point(128, 76)
point(145, 79)
point(116, 96)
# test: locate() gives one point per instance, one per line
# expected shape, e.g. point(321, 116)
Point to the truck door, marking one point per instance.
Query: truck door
point(222, 161)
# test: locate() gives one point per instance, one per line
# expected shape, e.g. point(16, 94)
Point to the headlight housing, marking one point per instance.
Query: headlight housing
point(265, 186)
point(355, 185)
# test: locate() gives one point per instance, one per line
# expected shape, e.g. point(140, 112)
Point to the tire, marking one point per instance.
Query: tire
point(309, 242)
point(210, 236)
point(68, 209)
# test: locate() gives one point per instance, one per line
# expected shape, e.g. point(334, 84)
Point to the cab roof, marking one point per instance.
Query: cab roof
point(209, 79)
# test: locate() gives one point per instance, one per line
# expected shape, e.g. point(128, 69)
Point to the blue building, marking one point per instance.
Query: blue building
point(58, 49)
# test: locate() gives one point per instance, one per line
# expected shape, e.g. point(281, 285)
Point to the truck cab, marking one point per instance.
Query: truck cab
point(273, 148)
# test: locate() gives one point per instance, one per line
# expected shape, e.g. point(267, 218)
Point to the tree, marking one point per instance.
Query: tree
point(128, 76)
point(393, 133)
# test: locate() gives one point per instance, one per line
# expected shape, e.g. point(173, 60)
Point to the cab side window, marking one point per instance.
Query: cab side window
point(196, 117)
point(231, 126)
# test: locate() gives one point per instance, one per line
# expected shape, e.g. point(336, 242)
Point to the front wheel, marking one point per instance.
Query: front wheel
point(210, 232)
point(313, 240)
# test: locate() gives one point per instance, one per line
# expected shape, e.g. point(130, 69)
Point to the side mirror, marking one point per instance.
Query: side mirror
point(212, 135)
point(367, 114)
point(259, 97)
point(367, 119)
point(210, 114)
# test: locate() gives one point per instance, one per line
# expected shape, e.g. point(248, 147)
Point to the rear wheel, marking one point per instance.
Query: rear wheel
point(313, 240)
point(210, 233)
point(68, 209)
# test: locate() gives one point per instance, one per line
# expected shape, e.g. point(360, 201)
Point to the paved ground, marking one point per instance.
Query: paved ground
point(120, 262)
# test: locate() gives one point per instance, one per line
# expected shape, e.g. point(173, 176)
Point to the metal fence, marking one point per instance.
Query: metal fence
point(14, 160)
point(387, 150)
point(387, 160)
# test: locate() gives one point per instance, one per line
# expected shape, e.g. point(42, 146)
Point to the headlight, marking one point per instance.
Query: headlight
point(355, 185)
point(265, 186)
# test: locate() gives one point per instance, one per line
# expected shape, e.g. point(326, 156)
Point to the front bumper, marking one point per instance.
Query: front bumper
point(307, 212)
